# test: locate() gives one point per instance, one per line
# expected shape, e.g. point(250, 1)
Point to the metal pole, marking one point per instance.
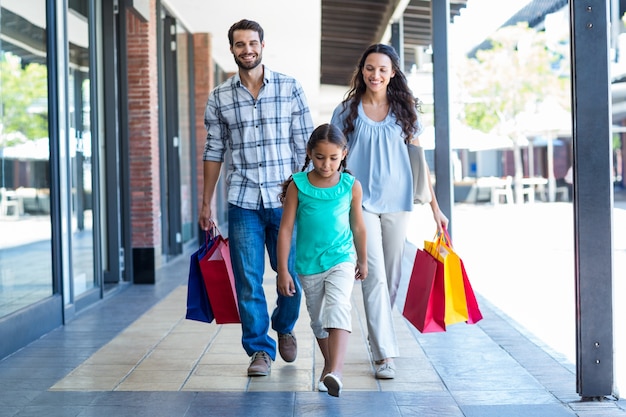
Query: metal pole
point(593, 197)
point(444, 187)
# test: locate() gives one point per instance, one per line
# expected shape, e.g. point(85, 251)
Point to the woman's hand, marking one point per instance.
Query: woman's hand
point(440, 219)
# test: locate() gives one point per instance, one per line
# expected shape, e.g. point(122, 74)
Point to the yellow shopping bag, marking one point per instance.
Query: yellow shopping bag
point(454, 287)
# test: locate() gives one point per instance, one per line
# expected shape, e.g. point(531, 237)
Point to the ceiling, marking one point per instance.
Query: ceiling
point(350, 26)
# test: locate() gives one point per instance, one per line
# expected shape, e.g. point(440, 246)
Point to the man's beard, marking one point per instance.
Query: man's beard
point(246, 66)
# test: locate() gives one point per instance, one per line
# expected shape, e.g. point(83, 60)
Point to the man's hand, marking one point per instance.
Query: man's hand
point(205, 220)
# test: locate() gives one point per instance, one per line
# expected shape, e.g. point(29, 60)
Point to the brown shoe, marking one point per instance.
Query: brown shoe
point(260, 364)
point(287, 346)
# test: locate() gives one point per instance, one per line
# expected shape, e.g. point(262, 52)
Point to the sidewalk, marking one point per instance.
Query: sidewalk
point(134, 354)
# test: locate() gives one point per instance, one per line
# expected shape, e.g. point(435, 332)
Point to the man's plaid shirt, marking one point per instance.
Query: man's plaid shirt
point(267, 137)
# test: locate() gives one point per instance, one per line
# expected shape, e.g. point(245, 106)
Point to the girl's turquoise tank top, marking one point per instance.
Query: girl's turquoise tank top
point(324, 237)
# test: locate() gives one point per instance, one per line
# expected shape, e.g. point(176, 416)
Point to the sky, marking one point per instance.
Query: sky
point(478, 20)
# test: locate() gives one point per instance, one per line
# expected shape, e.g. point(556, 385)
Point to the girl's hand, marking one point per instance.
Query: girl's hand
point(285, 285)
point(360, 272)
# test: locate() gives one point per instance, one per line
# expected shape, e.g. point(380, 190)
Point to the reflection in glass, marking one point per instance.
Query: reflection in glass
point(25, 225)
point(186, 183)
point(80, 152)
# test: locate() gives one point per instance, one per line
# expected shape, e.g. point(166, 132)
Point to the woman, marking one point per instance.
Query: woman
point(379, 117)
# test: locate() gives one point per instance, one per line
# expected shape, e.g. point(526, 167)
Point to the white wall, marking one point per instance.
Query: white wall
point(292, 34)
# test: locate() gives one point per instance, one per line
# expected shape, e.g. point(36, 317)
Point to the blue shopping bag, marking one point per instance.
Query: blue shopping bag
point(198, 306)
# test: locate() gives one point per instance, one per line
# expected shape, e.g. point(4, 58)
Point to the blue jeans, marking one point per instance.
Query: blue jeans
point(249, 233)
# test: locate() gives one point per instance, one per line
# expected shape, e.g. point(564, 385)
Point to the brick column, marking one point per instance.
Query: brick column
point(143, 120)
point(204, 83)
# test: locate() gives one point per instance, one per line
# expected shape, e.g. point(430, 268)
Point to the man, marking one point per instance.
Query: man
point(263, 118)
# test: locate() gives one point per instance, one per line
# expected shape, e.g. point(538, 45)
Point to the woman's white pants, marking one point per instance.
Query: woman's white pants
point(386, 235)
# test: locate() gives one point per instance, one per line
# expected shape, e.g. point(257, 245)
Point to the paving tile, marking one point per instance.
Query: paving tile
point(166, 364)
point(139, 398)
point(350, 403)
point(9, 411)
point(504, 396)
point(221, 369)
point(25, 383)
point(417, 387)
point(259, 400)
point(431, 411)
point(109, 355)
point(215, 383)
point(281, 386)
point(525, 410)
point(36, 362)
point(153, 380)
point(146, 410)
point(103, 370)
point(9, 373)
point(51, 411)
point(64, 398)
point(434, 398)
point(86, 383)
point(16, 398)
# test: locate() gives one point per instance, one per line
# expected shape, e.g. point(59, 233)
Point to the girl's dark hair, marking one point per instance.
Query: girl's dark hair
point(245, 24)
point(323, 133)
point(402, 103)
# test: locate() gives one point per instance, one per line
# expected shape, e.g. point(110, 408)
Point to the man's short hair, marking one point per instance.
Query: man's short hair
point(245, 24)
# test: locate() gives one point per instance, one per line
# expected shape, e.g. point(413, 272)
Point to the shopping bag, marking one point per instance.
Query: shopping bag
point(219, 280)
point(460, 298)
point(456, 302)
point(424, 306)
point(198, 306)
point(473, 311)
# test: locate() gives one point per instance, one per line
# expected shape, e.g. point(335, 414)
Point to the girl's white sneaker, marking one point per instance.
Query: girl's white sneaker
point(321, 387)
point(333, 383)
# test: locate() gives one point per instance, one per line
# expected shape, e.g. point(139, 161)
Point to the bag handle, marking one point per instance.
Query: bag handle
point(447, 238)
point(443, 238)
point(211, 233)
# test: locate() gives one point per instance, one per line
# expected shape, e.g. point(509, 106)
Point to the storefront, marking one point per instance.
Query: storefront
point(98, 155)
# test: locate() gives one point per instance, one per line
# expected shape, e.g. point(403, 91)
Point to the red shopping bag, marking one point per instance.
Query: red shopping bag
point(424, 306)
point(219, 281)
point(473, 312)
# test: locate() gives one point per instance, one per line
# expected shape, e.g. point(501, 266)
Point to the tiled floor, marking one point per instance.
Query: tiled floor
point(165, 352)
point(134, 354)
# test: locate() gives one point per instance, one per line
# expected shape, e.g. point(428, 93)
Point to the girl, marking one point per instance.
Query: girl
point(330, 245)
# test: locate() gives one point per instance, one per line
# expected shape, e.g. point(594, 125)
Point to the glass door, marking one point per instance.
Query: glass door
point(189, 215)
point(25, 222)
point(80, 151)
point(172, 191)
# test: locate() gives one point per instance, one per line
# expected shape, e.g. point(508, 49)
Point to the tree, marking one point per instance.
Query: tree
point(522, 70)
point(23, 101)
